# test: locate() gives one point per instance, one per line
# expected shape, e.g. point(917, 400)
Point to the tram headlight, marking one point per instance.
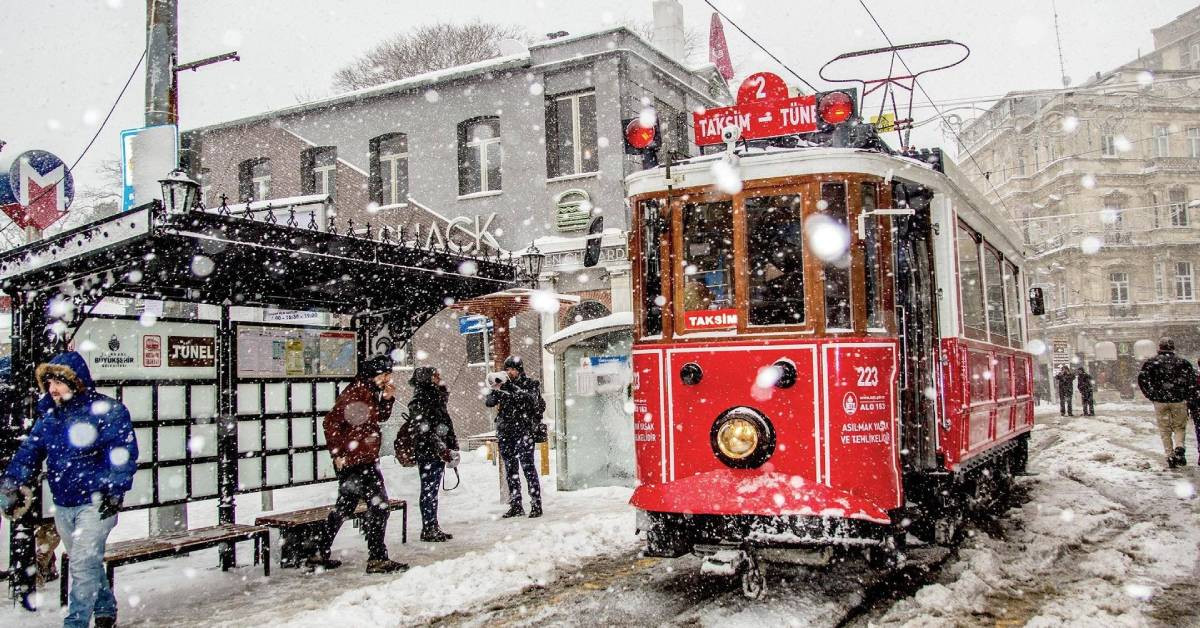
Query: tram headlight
point(742, 437)
point(737, 438)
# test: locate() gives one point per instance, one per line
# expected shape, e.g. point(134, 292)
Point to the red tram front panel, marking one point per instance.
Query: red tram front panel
point(836, 427)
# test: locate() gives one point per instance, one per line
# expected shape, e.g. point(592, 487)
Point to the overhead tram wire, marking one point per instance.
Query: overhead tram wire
point(936, 108)
point(760, 46)
point(96, 135)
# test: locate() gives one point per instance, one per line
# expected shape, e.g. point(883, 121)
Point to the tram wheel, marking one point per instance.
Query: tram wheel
point(754, 580)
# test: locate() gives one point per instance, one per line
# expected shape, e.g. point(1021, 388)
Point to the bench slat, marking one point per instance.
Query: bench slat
point(309, 516)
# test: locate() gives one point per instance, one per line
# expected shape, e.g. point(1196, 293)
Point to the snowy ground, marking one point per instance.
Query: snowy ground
point(1106, 537)
point(489, 557)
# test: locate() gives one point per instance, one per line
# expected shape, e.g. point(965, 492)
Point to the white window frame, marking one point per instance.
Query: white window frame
point(1063, 294)
point(1193, 137)
point(481, 145)
point(1162, 141)
point(261, 185)
point(1178, 210)
point(1108, 145)
point(1118, 287)
point(576, 132)
point(1184, 282)
point(324, 178)
point(392, 161)
point(1195, 56)
point(1160, 281)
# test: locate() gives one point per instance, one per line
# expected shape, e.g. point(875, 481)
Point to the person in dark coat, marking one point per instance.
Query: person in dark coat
point(87, 442)
point(1087, 387)
point(435, 444)
point(1194, 410)
point(1169, 381)
point(1063, 382)
point(520, 401)
point(353, 436)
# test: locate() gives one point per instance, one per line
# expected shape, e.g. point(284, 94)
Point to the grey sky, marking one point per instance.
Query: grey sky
point(66, 60)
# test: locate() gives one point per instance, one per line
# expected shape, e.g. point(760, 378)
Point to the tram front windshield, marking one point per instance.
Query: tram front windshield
point(774, 227)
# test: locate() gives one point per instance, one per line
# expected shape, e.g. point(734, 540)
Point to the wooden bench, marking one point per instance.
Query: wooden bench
point(298, 528)
point(175, 544)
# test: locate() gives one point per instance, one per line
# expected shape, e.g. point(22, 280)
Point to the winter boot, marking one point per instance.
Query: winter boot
point(105, 622)
point(316, 560)
point(535, 511)
point(1180, 457)
point(435, 535)
point(385, 565)
point(516, 510)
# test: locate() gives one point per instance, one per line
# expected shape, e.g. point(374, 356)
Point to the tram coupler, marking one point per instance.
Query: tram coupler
point(726, 562)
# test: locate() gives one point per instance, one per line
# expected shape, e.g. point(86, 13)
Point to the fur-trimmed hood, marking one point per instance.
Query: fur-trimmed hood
point(71, 368)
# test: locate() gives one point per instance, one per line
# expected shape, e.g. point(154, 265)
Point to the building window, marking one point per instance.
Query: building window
point(1162, 141)
point(319, 173)
point(1183, 281)
point(254, 179)
point(1108, 145)
point(1177, 207)
point(1160, 282)
point(204, 176)
point(389, 169)
point(478, 348)
point(479, 156)
point(1021, 161)
point(1193, 138)
point(1118, 287)
point(571, 135)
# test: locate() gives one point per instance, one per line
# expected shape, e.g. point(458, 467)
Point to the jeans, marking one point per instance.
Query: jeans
point(84, 535)
point(431, 483)
point(359, 483)
point(518, 460)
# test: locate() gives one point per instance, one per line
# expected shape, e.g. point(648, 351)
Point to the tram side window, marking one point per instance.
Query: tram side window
point(981, 375)
point(971, 285)
point(997, 322)
point(1003, 377)
point(837, 272)
point(708, 256)
point(1013, 293)
point(776, 254)
point(873, 258)
point(652, 297)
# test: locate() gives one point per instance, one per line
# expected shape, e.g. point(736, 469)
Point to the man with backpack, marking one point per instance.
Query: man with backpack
point(1169, 381)
point(520, 413)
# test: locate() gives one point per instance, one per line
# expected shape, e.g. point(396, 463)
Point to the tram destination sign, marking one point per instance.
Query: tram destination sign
point(763, 110)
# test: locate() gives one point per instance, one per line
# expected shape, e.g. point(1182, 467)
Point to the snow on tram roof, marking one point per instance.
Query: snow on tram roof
point(777, 162)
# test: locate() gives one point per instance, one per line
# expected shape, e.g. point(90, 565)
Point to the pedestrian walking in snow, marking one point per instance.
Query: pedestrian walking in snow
point(1169, 381)
point(1194, 411)
point(1063, 382)
point(353, 436)
point(1087, 387)
point(88, 444)
point(435, 444)
point(521, 407)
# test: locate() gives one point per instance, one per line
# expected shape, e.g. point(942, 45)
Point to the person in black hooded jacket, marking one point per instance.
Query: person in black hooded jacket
point(435, 444)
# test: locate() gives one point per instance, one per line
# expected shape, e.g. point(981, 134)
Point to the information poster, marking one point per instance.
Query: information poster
point(264, 351)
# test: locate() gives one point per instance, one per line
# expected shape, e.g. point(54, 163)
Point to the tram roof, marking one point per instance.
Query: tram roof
point(774, 162)
point(241, 260)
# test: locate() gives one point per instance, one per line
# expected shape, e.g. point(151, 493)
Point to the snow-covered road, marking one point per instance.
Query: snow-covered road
point(1106, 537)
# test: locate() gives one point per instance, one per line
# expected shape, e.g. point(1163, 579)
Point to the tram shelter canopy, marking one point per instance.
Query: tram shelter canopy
point(501, 306)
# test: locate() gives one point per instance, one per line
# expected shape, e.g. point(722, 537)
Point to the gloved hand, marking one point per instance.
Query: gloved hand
point(110, 505)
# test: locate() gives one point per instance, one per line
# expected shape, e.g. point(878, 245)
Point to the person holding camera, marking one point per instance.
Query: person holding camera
point(521, 408)
point(88, 444)
point(435, 446)
point(353, 436)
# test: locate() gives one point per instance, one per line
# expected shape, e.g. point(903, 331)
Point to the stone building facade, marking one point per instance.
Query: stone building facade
point(1102, 180)
point(502, 153)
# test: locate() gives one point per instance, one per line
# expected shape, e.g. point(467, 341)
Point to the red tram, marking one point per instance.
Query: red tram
point(827, 358)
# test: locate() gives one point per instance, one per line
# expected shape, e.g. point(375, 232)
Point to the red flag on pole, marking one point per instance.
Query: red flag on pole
point(718, 50)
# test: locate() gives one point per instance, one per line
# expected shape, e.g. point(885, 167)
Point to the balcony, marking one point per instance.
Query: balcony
point(1115, 236)
point(1122, 310)
point(1172, 164)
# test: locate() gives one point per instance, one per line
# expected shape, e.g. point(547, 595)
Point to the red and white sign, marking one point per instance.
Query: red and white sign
point(763, 109)
point(151, 351)
point(710, 319)
point(860, 420)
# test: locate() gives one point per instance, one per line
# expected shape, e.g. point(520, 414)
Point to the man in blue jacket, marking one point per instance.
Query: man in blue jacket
point(87, 442)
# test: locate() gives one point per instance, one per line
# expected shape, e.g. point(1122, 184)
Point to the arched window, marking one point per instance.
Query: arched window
point(479, 155)
point(389, 169)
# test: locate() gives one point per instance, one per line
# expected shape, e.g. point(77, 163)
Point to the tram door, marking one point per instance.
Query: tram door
point(916, 308)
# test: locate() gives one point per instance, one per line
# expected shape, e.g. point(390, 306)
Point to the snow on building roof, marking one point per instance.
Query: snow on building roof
point(568, 336)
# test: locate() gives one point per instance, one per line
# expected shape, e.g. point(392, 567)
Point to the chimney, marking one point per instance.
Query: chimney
point(668, 28)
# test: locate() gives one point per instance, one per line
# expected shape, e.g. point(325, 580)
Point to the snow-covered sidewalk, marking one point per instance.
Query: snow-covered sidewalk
point(489, 557)
point(1109, 537)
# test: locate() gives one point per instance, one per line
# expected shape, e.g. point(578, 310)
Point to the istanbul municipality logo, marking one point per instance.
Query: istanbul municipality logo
point(113, 343)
